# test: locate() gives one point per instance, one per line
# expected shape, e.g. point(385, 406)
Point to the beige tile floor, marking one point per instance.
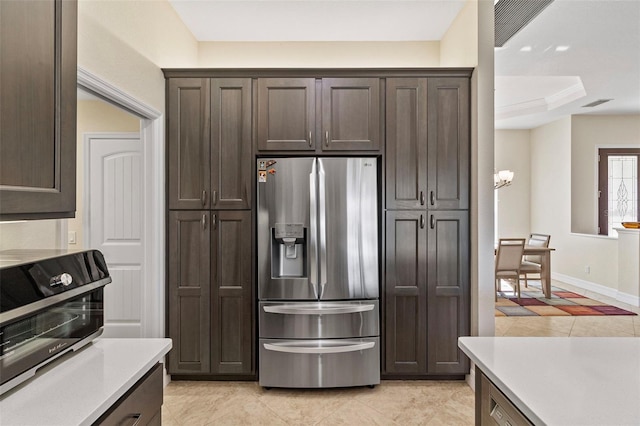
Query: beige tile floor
point(391, 403)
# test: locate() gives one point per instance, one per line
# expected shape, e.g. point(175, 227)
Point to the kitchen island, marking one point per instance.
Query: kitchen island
point(556, 380)
point(83, 386)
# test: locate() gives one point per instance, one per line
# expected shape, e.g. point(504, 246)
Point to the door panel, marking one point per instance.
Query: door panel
point(286, 114)
point(189, 292)
point(351, 114)
point(115, 216)
point(231, 143)
point(348, 228)
point(232, 318)
point(285, 199)
point(189, 147)
point(406, 144)
point(405, 292)
point(449, 143)
point(448, 291)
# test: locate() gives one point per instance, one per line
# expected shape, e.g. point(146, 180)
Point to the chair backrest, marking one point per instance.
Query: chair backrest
point(537, 240)
point(509, 256)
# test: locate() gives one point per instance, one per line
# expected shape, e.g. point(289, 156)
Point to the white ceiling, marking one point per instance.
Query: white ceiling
point(601, 38)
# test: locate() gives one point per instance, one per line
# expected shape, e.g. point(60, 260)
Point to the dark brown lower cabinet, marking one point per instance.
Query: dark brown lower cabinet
point(493, 407)
point(210, 299)
point(426, 292)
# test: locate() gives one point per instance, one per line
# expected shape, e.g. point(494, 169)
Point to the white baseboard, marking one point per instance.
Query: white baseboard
point(597, 288)
point(471, 378)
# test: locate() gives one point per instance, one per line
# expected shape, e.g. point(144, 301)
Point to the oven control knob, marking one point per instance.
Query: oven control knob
point(62, 279)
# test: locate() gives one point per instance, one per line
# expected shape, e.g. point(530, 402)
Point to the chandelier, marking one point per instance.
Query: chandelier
point(502, 178)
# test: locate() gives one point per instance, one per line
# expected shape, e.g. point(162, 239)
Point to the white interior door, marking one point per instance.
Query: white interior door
point(114, 201)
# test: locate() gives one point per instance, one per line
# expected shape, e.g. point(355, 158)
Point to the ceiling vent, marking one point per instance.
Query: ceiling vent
point(513, 15)
point(596, 103)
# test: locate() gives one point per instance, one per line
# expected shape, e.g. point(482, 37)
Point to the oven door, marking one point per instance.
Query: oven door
point(32, 341)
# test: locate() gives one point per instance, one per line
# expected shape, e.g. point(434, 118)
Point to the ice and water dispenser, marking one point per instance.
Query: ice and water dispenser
point(288, 250)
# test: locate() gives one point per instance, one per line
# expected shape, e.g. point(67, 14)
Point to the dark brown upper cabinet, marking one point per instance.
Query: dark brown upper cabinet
point(209, 143)
point(189, 292)
point(406, 145)
point(38, 51)
point(188, 145)
point(344, 115)
point(231, 143)
point(448, 111)
point(447, 291)
point(406, 293)
point(286, 114)
point(351, 114)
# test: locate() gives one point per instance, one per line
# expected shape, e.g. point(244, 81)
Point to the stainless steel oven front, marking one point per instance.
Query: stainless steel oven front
point(48, 306)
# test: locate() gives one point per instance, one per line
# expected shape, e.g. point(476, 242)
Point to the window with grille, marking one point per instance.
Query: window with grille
point(618, 184)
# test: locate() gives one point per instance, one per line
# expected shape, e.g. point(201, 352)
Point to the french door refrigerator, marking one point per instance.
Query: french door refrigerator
point(318, 272)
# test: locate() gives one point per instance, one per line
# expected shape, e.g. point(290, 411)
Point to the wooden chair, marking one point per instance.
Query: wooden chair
point(508, 261)
point(532, 263)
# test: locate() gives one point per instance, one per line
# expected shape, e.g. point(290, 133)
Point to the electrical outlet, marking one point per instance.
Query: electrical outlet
point(72, 237)
point(587, 269)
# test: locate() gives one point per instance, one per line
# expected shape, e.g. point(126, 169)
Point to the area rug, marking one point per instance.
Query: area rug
point(562, 303)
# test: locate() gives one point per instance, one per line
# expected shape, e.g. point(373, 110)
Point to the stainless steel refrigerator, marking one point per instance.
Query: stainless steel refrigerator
point(318, 272)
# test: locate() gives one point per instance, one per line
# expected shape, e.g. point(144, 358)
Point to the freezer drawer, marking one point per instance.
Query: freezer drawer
point(318, 320)
point(319, 363)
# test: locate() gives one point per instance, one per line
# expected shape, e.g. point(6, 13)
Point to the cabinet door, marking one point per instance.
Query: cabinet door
point(286, 114)
point(231, 143)
point(188, 144)
point(232, 313)
point(449, 140)
point(189, 292)
point(351, 114)
point(448, 291)
point(405, 292)
point(38, 109)
point(406, 145)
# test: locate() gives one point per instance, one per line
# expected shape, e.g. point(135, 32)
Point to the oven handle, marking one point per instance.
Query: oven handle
point(315, 310)
point(26, 310)
point(316, 350)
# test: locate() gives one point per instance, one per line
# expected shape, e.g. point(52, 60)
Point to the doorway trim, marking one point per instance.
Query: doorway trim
point(152, 138)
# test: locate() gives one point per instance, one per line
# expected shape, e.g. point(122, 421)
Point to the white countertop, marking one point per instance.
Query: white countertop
point(81, 386)
point(564, 380)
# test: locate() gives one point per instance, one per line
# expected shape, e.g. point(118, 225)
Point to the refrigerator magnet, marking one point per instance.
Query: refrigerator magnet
point(262, 175)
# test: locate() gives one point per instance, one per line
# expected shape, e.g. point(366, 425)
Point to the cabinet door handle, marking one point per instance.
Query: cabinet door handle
point(203, 197)
point(421, 221)
point(135, 418)
point(432, 222)
point(432, 198)
point(422, 198)
point(214, 196)
point(204, 222)
point(215, 221)
point(310, 139)
point(326, 138)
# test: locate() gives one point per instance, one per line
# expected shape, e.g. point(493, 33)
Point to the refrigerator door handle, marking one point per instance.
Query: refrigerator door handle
point(314, 309)
point(313, 223)
point(322, 210)
point(296, 349)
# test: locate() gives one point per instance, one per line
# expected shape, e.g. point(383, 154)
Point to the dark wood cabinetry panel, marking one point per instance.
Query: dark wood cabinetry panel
point(405, 292)
point(38, 45)
point(286, 114)
point(350, 114)
point(448, 142)
point(189, 147)
point(448, 291)
point(406, 144)
point(232, 317)
point(231, 143)
point(189, 292)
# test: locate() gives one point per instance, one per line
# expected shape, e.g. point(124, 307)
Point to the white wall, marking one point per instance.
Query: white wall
point(589, 132)
point(512, 152)
point(551, 213)
point(319, 54)
point(459, 46)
